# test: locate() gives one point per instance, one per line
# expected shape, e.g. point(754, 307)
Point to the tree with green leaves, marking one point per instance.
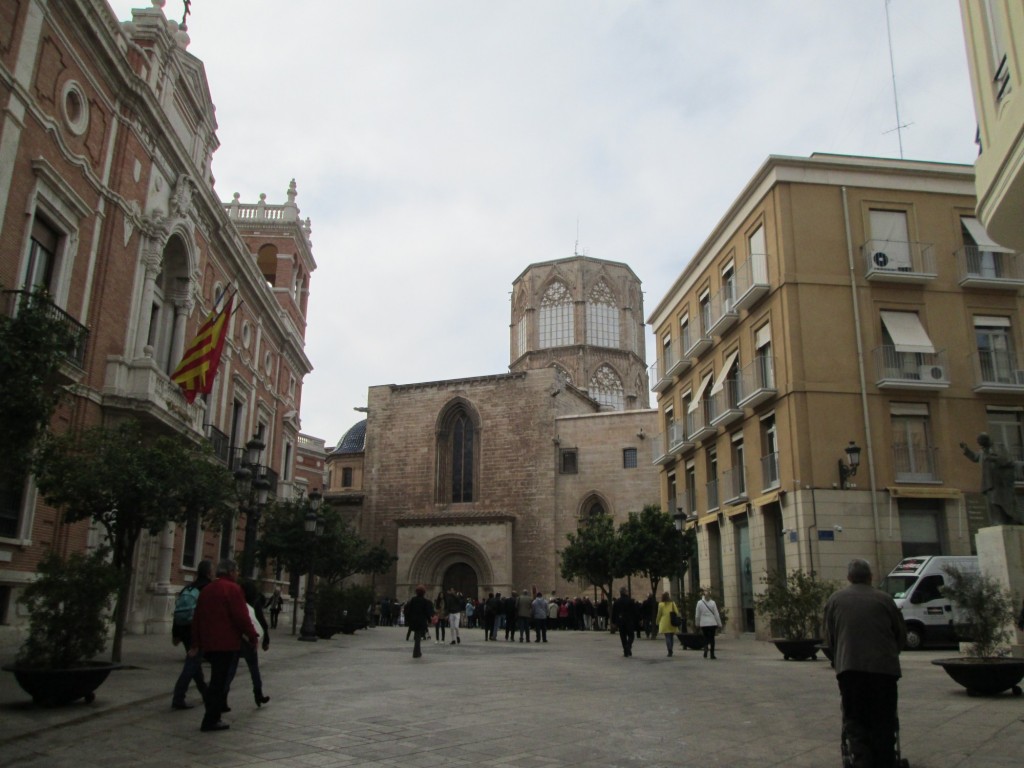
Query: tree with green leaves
point(340, 551)
point(652, 547)
point(594, 553)
point(128, 482)
point(34, 342)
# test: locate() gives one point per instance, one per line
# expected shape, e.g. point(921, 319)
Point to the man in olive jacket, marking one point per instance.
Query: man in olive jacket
point(865, 631)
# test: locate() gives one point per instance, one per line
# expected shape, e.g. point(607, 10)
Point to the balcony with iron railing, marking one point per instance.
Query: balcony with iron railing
point(898, 261)
point(910, 370)
point(723, 409)
point(78, 333)
point(724, 313)
point(770, 471)
point(752, 281)
point(699, 344)
point(757, 382)
point(677, 442)
point(681, 362)
point(661, 380)
point(734, 486)
point(711, 489)
point(997, 270)
point(219, 442)
point(914, 463)
point(698, 426)
point(660, 453)
point(995, 370)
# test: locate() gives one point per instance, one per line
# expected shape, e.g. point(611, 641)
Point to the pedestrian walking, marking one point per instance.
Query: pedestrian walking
point(181, 632)
point(455, 603)
point(865, 631)
point(524, 610)
point(623, 617)
point(418, 612)
point(667, 620)
point(274, 605)
point(539, 614)
point(709, 620)
point(221, 622)
point(254, 603)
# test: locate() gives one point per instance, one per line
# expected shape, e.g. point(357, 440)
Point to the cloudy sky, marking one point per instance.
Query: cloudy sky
point(441, 146)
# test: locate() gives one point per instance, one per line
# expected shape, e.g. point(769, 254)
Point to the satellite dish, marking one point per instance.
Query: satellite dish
point(880, 259)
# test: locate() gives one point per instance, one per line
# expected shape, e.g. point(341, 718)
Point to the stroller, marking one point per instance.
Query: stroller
point(847, 749)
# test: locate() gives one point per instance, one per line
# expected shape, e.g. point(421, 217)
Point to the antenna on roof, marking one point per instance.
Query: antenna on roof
point(895, 96)
point(576, 249)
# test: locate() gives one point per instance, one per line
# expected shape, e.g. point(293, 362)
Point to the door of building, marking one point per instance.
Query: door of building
point(746, 576)
point(463, 578)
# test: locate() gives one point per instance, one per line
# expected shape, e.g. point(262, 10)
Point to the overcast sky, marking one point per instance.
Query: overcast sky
point(441, 146)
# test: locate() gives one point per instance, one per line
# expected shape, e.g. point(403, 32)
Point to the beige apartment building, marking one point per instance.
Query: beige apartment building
point(994, 30)
point(841, 303)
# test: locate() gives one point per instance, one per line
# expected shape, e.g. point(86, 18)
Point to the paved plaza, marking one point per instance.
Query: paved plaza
point(363, 701)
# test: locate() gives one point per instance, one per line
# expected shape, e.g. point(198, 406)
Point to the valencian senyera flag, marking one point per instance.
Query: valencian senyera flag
point(198, 365)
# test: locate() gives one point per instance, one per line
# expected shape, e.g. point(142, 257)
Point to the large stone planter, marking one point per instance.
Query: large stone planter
point(985, 677)
point(57, 687)
point(798, 650)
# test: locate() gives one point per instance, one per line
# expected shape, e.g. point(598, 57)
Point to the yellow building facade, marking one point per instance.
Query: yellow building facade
point(841, 300)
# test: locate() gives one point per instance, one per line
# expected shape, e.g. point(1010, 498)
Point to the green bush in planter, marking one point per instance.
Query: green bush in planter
point(983, 611)
point(794, 603)
point(343, 607)
point(68, 611)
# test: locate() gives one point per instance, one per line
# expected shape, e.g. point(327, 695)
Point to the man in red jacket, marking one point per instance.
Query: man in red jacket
point(220, 621)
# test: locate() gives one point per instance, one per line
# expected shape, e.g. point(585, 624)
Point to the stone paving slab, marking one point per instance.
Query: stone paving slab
point(363, 701)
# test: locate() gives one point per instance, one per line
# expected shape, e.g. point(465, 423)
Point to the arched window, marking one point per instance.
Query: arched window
point(606, 388)
point(456, 456)
point(166, 333)
point(602, 317)
point(556, 318)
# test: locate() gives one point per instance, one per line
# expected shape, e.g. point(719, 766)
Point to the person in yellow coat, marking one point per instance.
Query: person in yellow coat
point(666, 610)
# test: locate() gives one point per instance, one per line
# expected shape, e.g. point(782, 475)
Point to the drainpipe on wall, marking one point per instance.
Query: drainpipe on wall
point(863, 385)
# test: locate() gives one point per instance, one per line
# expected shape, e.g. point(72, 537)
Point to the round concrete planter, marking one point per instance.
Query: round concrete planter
point(57, 687)
point(798, 650)
point(987, 676)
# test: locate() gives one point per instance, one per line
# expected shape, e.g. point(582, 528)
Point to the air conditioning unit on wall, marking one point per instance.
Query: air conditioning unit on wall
point(932, 373)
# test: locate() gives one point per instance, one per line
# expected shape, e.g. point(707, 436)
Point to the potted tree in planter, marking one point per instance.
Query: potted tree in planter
point(794, 604)
point(983, 611)
point(68, 607)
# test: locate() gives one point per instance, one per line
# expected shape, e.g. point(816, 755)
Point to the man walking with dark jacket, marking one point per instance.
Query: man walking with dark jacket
point(623, 616)
point(865, 630)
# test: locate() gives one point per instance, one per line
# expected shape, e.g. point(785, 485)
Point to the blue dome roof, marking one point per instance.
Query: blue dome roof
point(352, 441)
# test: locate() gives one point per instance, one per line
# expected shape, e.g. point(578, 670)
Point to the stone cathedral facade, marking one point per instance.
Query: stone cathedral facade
point(475, 482)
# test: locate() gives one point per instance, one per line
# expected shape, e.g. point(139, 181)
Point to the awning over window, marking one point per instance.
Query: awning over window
point(695, 403)
point(724, 373)
point(907, 333)
point(981, 238)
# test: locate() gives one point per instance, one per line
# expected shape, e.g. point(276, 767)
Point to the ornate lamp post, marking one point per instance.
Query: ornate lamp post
point(253, 488)
point(314, 525)
point(849, 469)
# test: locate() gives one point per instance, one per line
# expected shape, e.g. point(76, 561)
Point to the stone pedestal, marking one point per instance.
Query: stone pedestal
point(1001, 555)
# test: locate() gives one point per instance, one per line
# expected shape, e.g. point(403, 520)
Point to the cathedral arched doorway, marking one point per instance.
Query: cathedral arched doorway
point(462, 577)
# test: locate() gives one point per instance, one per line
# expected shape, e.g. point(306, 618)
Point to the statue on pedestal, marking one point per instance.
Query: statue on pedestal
point(997, 478)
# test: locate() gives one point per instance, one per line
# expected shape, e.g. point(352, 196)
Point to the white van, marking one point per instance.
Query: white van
point(915, 586)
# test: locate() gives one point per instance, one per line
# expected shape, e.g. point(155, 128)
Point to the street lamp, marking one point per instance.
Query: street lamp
point(849, 468)
point(253, 487)
point(314, 527)
point(679, 520)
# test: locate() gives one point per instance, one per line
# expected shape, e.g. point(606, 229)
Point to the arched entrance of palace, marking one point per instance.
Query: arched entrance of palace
point(462, 577)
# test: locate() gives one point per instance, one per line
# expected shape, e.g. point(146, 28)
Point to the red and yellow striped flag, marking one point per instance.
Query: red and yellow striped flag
point(198, 365)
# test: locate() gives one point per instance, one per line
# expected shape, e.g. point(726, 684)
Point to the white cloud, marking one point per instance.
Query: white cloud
point(441, 147)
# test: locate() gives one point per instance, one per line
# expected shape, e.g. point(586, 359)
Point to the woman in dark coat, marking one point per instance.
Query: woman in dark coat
point(417, 617)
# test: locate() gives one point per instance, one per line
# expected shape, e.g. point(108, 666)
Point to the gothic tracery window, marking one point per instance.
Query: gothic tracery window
point(456, 456)
point(556, 316)
point(602, 317)
point(606, 388)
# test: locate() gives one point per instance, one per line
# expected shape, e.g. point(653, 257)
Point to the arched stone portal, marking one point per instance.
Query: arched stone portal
point(462, 577)
point(448, 559)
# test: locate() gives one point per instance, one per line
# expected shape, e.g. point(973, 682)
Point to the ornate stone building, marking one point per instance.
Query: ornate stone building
point(107, 200)
point(476, 482)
